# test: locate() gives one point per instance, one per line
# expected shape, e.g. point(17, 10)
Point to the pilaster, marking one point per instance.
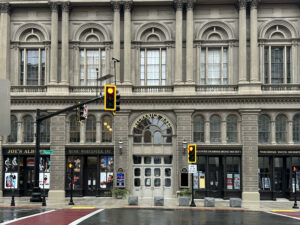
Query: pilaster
point(189, 42)
point(116, 37)
point(65, 44)
point(242, 42)
point(5, 41)
point(178, 42)
point(54, 43)
point(250, 154)
point(127, 42)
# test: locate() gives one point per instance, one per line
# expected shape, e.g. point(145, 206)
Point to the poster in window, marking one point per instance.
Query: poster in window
point(107, 163)
point(44, 180)
point(44, 164)
point(120, 180)
point(196, 181)
point(103, 180)
point(11, 164)
point(202, 180)
point(267, 183)
point(237, 181)
point(229, 181)
point(11, 181)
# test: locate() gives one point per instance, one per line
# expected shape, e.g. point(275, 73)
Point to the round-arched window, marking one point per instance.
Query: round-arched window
point(152, 129)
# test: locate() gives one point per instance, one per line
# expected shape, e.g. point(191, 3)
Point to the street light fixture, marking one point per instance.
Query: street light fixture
point(120, 147)
point(184, 144)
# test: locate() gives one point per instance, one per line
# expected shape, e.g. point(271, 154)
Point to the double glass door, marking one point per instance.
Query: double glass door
point(90, 176)
point(215, 176)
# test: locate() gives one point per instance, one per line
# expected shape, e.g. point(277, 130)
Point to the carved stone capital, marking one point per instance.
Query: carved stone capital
point(254, 4)
point(178, 4)
point(66, 6)
point(190, 4)
point(5, 8)
point(127, 5)
point(242, 4)
point(116, 5)
point(53, 6)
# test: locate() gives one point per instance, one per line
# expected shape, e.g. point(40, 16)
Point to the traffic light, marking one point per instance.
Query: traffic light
point(71, 165)
point(80, 113)
point(294, 169)
point(118, 101)
point(110, 97)
point(192, 153)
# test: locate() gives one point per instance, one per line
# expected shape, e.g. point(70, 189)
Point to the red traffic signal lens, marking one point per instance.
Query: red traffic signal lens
point(70, 165)
point(110, 90)
point(190, 148)
point(294, 168)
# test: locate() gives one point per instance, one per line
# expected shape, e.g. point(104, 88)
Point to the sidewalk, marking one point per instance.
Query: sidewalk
point(97, 202)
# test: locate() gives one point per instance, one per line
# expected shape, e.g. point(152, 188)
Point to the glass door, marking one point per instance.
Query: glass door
point(90, 181)
point(279, 177)
point(29, 176)
point(215, 185)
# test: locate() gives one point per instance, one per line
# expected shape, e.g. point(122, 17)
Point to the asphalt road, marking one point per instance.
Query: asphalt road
point(7, 214)
point(185, 217)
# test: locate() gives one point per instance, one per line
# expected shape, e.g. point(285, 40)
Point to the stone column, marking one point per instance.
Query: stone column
point(289, 138)
point(58, 159)
point(116, 38)
point(127, 42)
point(19, 134)
point(206, 128)
point(178, 42)
point(254, 76)
point(65, 44)
point(5, 41)
point(189, 42)
point(54, 43)
point(98, 128)
point(273, 130)
point(242, 42)
point(250, 155)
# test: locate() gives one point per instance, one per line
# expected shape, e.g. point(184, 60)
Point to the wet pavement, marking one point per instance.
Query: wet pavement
point(186, 217)
point(7, 214)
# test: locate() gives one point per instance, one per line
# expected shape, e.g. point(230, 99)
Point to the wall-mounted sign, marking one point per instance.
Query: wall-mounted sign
point(151, 116)
point(192, 168)
point(120, 180)
point(88, 151)
point(279, 152)
point(218, 152)
point(10, 180)
point(44, 180)
point(21, 151)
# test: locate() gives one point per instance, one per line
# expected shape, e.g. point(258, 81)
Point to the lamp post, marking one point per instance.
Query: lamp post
point(12, 203)
point(44, 180)
point(120, 147)
point(295, 182)
point(71, 166)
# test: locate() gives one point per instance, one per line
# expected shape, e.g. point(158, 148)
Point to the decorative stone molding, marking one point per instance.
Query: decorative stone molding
point(5, 8)
point(178, 4)
point(140, 30)
point(242, 4)
point(190, 4)
point(127, 5)
point(101, 28)
point(254, 4)
point(222, 25)
point(53, 6)
point(267, 25)
point(66, 6)
point(116, 5)
point(24, 27)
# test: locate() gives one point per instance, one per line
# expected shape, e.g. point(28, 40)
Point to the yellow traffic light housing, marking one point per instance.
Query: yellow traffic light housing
point(192, 153)
point(110, 97)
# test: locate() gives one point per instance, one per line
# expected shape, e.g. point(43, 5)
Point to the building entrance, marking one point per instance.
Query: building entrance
point(153, 176)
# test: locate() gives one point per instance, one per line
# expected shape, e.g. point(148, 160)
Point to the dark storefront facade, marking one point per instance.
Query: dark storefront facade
point(219, 174)
point(275, 174)
point(93, 171)
point(18, 170)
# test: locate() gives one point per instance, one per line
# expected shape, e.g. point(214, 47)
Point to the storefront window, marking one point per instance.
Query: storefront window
point(106, 172)
point(77, 172)
point(44, 175)
point(11, 172)
point(213, 172)
point(233, 177)
point(264, 173)
point(201, 171)
point(106, 129)
point(296, 162)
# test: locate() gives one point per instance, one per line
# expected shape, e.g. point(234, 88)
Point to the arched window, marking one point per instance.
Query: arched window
point(153, 129)
point(232, 129)
point(32, 68)
point(74, 129)
point(28, 129)
point(106, 129)
point(13, 137)
point(90, 129)
point(152, 54)
point(276, 51)
point(45, 131)
point(296, 128)
point(214, 53)
point(281, 129)
point(93, 54)
point(198, 129)
point(264, 129)
point(215, 129)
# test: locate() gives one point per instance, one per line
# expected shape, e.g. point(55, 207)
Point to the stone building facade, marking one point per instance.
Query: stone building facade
point(222, 74)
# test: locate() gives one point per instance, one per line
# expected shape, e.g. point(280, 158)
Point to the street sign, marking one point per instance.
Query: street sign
point(5, 107)
point(192, 168)
point(46, 152)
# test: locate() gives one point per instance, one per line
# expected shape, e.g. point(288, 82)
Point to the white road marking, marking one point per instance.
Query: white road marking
point(85, 217)
point(15, 220)
point(278, 214)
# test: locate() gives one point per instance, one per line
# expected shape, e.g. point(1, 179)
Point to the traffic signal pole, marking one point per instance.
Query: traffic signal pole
point(192, 202)
point(36, 193)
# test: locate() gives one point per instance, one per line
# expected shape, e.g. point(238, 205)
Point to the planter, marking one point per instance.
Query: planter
point(184, 200)
point(119, 196)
